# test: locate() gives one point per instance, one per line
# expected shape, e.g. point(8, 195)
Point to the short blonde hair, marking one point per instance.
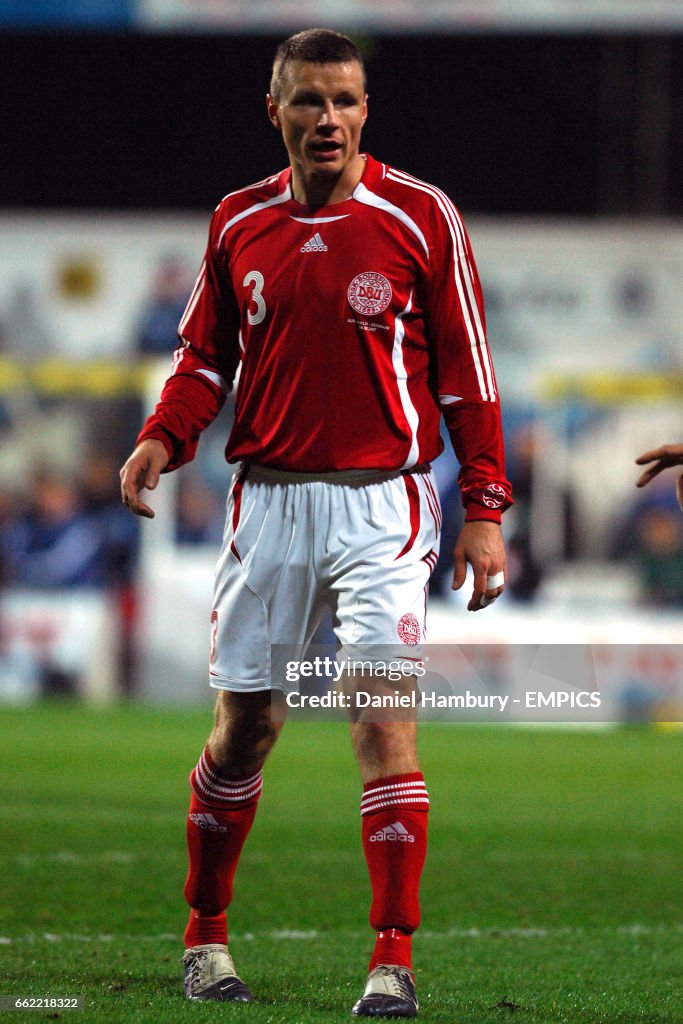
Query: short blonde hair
point(315, 46)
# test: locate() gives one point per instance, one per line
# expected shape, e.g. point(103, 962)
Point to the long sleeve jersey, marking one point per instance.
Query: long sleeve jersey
point(354, 326)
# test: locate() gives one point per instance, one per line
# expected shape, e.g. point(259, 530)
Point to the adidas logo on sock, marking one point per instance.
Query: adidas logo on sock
point(208, 822)
point(396, 833)
point(314, 244)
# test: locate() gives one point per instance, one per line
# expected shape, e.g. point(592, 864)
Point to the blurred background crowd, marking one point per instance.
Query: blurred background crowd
point(558, 131)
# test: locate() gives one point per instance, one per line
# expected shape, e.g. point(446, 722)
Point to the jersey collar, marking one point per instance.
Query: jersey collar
point(373, 172)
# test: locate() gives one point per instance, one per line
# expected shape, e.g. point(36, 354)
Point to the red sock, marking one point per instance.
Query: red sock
point(392, 946)
point(394, 815)
point(220, 817)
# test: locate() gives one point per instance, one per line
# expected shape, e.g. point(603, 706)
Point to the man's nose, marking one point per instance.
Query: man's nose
point(328, 116)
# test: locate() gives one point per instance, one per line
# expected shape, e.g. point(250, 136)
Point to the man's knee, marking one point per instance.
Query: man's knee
point(245, 729)
point(384, 748)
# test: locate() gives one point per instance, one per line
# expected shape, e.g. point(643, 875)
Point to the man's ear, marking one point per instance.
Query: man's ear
point(272, 108)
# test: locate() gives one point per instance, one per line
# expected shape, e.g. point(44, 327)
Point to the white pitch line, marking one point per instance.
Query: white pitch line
point(68, 857)
point(294, 935)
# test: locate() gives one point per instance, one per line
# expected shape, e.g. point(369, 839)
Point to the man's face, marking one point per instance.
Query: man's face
point(321, 111)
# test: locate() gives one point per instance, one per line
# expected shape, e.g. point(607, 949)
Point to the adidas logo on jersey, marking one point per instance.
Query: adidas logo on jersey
point(314, 244)
point(208, 822)
point(396, 833)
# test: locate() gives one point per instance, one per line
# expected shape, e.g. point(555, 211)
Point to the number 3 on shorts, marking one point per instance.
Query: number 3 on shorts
point(255, 277)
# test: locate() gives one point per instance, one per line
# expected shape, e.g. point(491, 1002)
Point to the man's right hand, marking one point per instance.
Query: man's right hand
point(662, 458)
point(142, 470)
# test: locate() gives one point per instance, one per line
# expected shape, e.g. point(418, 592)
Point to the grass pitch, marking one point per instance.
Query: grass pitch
point(553, 890)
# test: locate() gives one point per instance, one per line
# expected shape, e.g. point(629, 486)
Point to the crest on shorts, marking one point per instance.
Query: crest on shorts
point(369, 293)
point(408, 629)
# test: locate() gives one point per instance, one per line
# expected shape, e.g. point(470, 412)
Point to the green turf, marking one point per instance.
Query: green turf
point(553, 890)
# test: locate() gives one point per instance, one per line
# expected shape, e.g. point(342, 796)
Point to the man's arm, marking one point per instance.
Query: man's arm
point(468, 395)
point(204, 366)
point(476, 435)
point(142, 470)
point(190, 400)
point(663, 458)
point(206, 360)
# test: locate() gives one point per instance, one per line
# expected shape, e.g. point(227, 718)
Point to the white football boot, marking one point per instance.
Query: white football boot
point(210, 974)
point(389, 992)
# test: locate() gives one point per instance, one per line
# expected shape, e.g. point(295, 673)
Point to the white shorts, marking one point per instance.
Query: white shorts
point(362, 543)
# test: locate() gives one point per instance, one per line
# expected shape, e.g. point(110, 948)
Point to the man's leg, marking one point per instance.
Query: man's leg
point(394, 812)
point(226, 786)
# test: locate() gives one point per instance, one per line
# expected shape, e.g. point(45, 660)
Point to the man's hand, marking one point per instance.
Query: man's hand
point(481, 544)
point(663, 458)
point(142, 469)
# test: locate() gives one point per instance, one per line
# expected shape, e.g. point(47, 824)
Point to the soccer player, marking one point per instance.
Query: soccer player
point(663, 458)
point(346, 293)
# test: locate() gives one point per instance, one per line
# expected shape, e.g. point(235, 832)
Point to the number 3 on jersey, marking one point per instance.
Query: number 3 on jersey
point(255, 278)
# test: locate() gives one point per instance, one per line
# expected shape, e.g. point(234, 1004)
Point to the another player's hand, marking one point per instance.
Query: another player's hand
point(663, 458)
point(481, 544)
point(142, 470)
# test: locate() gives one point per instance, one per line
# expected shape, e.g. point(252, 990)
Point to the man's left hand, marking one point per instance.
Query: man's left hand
point(481, 544)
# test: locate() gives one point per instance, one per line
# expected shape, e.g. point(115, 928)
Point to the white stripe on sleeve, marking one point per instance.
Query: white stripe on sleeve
point(463, 280)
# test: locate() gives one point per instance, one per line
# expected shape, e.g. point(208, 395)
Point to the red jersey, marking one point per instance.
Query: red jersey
point(354, 326)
